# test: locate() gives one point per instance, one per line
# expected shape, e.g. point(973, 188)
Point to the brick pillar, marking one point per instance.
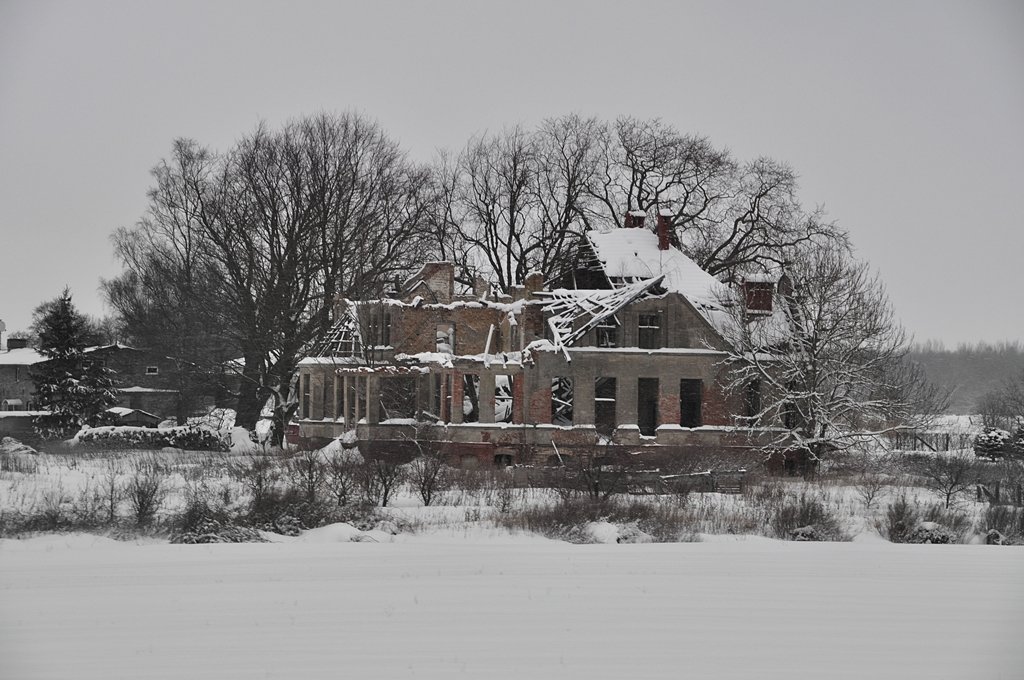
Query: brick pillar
point(625, 400)
point(425, 392)
point(668, 401)
point(443, 408)
point(517, 397)
point(458, 388)
point(583, 399)
point(486, 397)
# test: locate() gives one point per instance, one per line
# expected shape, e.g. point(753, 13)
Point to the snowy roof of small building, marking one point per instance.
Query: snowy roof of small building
point(24, 356)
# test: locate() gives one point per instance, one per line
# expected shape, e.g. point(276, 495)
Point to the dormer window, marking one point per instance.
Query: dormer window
point(649, 331)
point(758, 296)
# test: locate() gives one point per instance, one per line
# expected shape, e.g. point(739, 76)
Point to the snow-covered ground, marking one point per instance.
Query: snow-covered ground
point(500, 605)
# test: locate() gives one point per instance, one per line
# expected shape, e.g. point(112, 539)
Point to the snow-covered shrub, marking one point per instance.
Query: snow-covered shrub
point(992, 443)
point(286, 525)
point(805, 518)
point(188, 437)
point(930, 532)
point(17, 457)
point(1016, 445)
point(215, 531)
point(993, 537)
point(958, 523)
point(1006, 520)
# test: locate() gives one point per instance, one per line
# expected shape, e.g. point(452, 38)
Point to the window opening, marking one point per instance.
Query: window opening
point(561, 401)
point(608, 333)
point(647, 405)
point(604, 405)
point(649, 331)
point(690, 396)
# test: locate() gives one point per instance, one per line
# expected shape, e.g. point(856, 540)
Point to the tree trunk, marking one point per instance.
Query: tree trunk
point(250, 401)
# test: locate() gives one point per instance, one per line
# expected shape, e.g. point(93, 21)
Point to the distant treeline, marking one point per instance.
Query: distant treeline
point(970, 370)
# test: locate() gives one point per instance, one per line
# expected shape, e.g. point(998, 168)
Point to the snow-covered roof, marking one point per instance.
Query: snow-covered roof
point(136, 389)
point(25, 356)
point(630, 255)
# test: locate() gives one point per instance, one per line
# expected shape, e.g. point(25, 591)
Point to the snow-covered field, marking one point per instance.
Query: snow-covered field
point(498, 605)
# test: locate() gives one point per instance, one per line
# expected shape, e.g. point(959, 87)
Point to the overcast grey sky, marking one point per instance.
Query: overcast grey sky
point(904, 119)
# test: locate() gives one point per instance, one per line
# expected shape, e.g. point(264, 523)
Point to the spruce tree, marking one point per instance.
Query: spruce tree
point(75, 389)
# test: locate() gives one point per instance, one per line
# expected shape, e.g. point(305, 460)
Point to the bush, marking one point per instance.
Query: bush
point(567, 520)
point(307, 472)
point(189, 437)
point(380, 479)
point(1007, 520)
point(429, 475)
point(992, 443)
point(145, 490)
point(259, 474)
point(900, 519)
point(805, 518)
point(215, 531)
point(958, 523)
point(930, 532)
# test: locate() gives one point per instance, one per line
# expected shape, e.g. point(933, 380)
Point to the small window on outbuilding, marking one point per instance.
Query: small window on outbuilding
point(152, 370)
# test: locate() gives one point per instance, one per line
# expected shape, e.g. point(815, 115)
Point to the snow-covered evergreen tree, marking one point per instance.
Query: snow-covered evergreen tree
point(75, 389)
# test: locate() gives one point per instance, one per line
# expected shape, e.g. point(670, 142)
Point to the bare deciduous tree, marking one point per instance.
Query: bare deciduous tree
point(380, 478)
point(511, 203)
point(831, 362)
point(730, 218)
point(280, 226)
point(950, 476)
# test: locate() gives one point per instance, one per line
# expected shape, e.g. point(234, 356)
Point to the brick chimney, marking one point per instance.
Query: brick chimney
point(664, 225)
point(533, 283)
point(3, 336)
point(634, 219)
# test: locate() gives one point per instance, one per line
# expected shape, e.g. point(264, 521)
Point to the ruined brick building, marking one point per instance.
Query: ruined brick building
point(628, 356)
